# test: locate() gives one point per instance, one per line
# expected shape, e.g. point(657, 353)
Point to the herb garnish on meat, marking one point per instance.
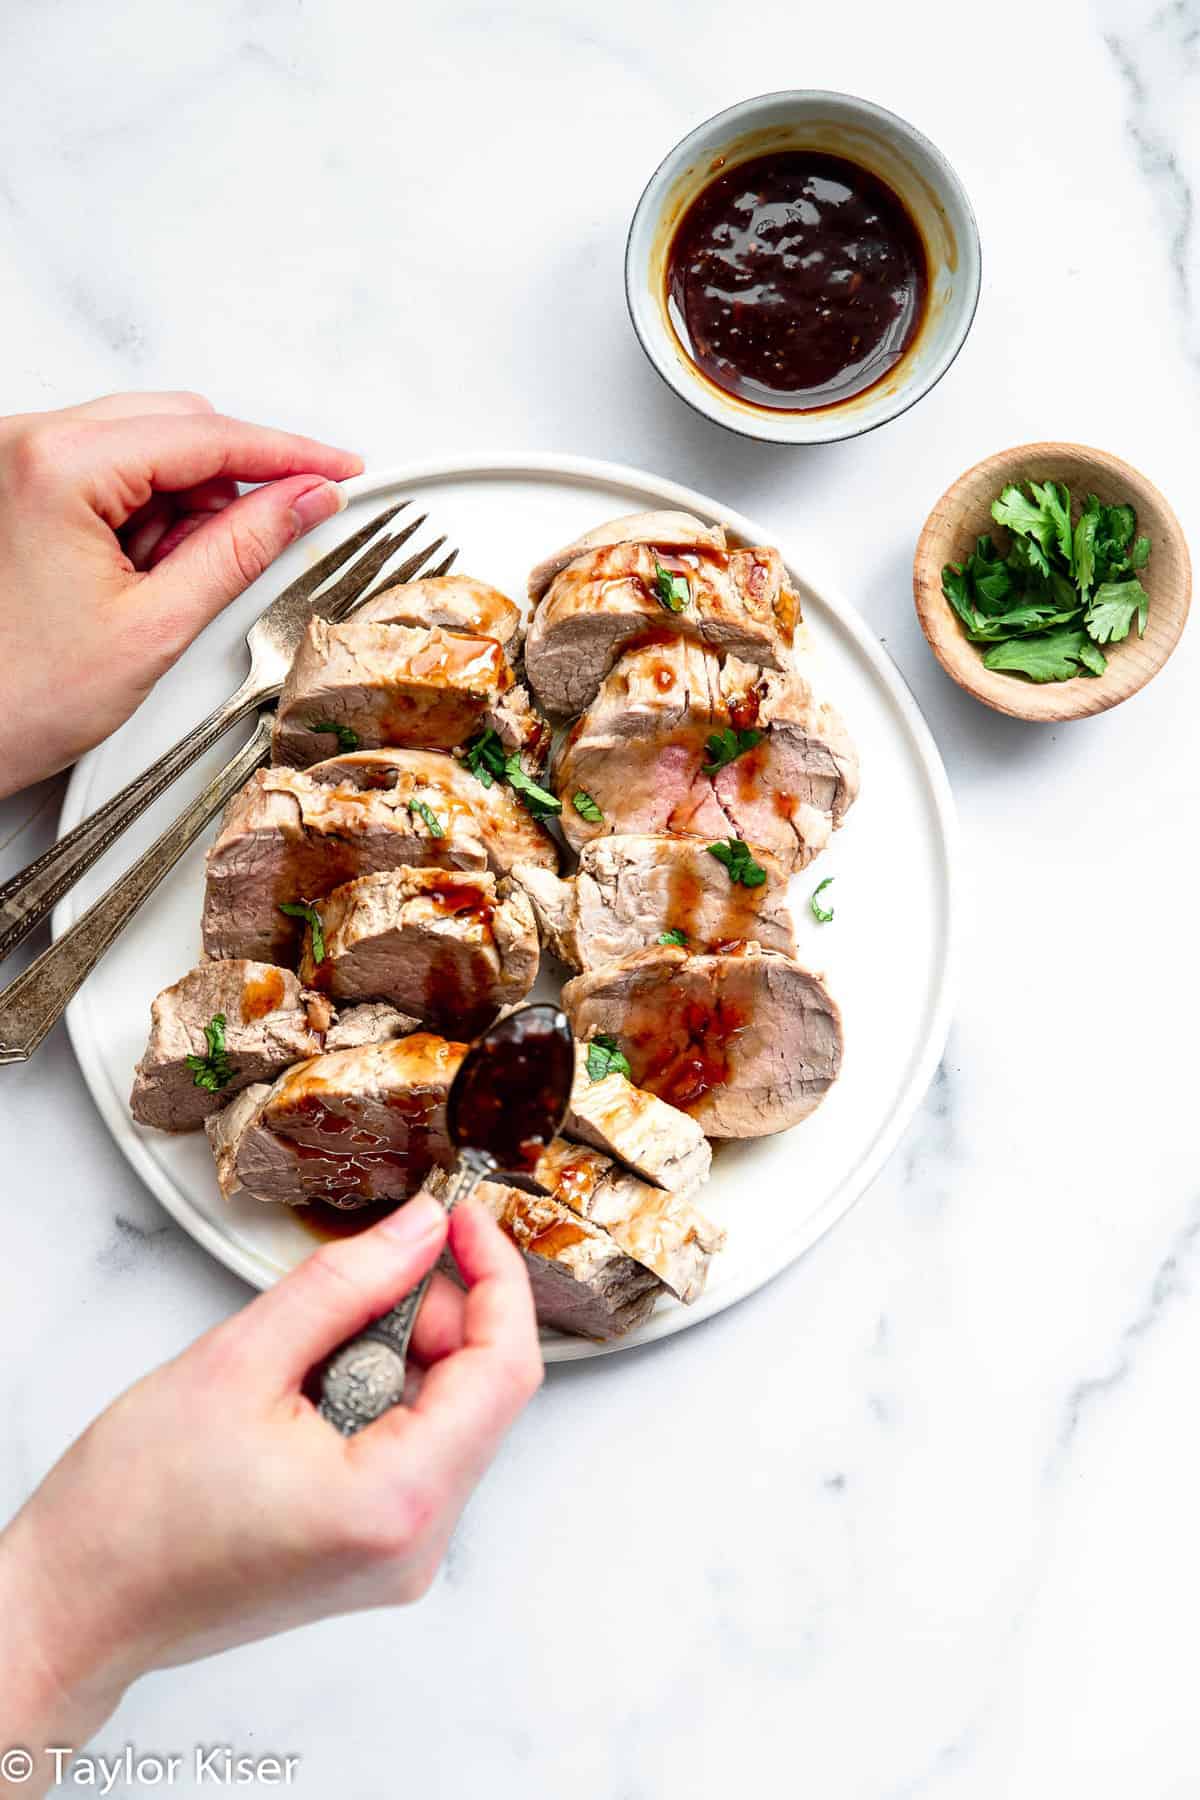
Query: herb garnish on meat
point(422, 811)
point(671, 591)
point(214, 1071)
point(587, 808)
point(674, 936)
point(484, 757)
point(735, 854)
point(488, 761)
point(605, 1057)
point(820, 913)
point(726, 746)
point(301, 909)
point(534, 798)
point(347, 739)
point(1060, 592)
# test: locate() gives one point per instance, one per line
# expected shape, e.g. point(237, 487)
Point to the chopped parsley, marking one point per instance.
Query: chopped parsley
point(605, 1057)
point(214, 1071)
point(726, 746)
point(485, 757)
point(535, 799)
point(820, 913)
point(674, 936)
point(489, 762)
point(671, 591)
point(1060, 592)
point(587, 808)
point(422, 811)
point(301, 909)
point(735, 854)
point(347, 739)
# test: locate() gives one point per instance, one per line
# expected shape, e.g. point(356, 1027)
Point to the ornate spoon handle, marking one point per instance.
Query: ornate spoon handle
point(364, 1378)
point(37, 999)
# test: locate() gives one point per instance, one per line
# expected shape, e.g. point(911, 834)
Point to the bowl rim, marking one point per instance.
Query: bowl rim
point(928, 598)
point(908, 395)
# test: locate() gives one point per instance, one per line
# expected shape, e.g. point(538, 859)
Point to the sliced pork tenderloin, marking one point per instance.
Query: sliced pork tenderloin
point(288, 838)
point(508, 832)
point(748, 1043)
point(656, 1142)
point(639, 751)
point(346, 1128)
point(225, 1130)
point(456, 602)
point(629, 890)
point(669, 530)
point(450, 946)
point(660, 1229)
point(736, 603)
point(372, 1023)
point(582, 1281)
point(257, 1021)
point(367, 685)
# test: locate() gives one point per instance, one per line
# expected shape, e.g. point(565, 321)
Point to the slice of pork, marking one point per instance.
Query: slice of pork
point(508, 832)
point(225, 1130)
point(638, 752)
point(656, 1142)
point(630, 889)
point(405, 685)
point(669, 530)
point(748, 1043)
point(267, 1026)
point(345, 1128)
point(737, 604)
point(662, 1231)
point(447, 945)
point(457, 602)
point(582, 1281)
point(372, 1023)
point(288, 836)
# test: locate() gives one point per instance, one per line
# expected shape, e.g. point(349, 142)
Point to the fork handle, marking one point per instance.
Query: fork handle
point(29, 896)
point(37, 999)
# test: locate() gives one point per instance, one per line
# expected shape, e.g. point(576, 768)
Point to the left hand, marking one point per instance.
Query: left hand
point(121, 535)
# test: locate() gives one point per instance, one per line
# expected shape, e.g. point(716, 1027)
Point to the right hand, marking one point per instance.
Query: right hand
point(211, 1504)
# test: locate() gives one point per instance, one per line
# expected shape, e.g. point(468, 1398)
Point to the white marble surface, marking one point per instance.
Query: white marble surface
point(919, 1519)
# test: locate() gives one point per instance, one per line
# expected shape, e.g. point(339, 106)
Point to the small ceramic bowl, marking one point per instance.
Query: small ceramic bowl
point(839, 124)
point(964, 513)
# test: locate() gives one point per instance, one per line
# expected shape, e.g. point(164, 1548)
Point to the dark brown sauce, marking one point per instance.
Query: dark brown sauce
point(682, 1075)
point(796, 280)
point(510, 1098)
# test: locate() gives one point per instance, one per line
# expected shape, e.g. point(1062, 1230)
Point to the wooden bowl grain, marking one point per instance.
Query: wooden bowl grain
point(964, 512)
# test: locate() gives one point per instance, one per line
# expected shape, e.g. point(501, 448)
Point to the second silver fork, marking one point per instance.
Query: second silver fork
point(272, 641)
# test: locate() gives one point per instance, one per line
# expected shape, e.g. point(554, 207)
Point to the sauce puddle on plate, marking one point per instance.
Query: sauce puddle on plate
point(796, 281)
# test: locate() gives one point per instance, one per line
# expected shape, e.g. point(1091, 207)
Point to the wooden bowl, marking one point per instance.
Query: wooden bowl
point(964, 513)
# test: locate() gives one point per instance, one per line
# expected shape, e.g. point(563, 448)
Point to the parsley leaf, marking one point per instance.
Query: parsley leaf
point(1056, 657)
point(535, 799)
point(671, 591)
point(301, 909)
point(674, 936)
point(347, 739)
point(587, 808)
point(819, 912)
point(421, 811)
point(1085, 546)
point(485, 757)
point(735, 854)
point(605, 1057)
point(1113, 609)
point(726, 746)
point(214, 1071)
point(1044, 521)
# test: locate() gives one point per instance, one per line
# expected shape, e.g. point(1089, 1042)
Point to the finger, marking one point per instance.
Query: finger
point(138, 406)
point(214, 563)
point(335, 1292)
point(441, 1322)
point(146, 529)
point(468, 1400)
point(147, 537)
point(119, 463)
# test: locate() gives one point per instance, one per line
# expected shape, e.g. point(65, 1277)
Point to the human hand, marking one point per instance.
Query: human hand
point(121, 535)
point(212, 1504)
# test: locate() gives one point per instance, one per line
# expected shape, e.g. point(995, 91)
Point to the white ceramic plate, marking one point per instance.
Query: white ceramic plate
point(887, 955)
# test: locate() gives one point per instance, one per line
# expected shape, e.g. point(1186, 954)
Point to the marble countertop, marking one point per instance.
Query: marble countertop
point(919, 1517)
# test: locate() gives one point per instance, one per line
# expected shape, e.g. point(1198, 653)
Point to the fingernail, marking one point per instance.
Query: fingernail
point(413, 1223)
point(316, 504)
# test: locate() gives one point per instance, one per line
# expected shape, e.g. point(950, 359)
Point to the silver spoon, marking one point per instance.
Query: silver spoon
point(506, 1102)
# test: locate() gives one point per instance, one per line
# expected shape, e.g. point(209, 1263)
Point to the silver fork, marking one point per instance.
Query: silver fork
point(37, 999)
point(272, 641)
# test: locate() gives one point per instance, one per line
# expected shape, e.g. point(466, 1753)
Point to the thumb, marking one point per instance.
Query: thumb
point(335, 1292)
point(219, 559)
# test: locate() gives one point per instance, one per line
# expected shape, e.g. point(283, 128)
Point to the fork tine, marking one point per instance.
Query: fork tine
point(406, 571)
point(310, 581)
point(444, 567)
point(333, 602)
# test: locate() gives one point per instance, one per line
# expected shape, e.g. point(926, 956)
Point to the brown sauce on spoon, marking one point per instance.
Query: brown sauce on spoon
point(796, 281)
